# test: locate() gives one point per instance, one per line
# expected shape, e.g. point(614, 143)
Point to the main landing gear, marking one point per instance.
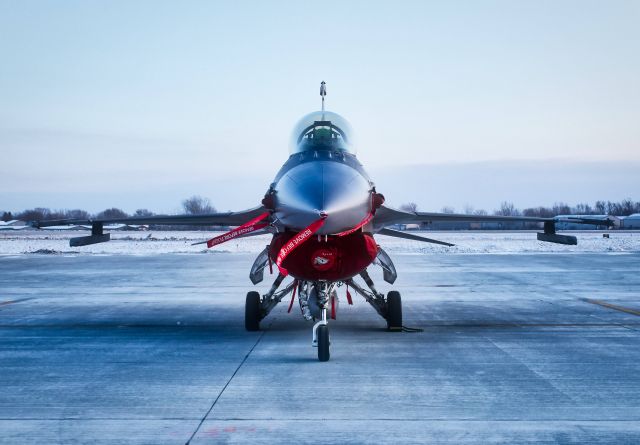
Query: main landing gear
point(252, 312)
point(316, 298)
point(389, 308)
point(394, 311)
point(256, 307)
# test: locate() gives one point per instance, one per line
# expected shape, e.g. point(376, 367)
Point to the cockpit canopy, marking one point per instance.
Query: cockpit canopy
point(322, 130)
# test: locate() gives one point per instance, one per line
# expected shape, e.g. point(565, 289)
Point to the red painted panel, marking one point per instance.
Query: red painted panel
point(336, 259)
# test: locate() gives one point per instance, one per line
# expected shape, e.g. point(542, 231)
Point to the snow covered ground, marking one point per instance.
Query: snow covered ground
point(159, 242)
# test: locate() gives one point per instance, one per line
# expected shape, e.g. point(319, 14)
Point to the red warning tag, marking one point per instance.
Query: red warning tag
point(247, 227)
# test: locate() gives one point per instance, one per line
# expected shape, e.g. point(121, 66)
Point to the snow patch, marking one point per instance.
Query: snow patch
point(470, 242)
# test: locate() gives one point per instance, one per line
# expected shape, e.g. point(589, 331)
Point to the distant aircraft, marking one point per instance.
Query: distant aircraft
point(323, 211)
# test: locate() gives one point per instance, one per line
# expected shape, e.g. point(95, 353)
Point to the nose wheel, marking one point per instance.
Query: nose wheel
point(323, 343)
point(321, 338)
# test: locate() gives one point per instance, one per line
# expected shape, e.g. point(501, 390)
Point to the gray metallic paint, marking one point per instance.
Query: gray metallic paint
point(306, 190)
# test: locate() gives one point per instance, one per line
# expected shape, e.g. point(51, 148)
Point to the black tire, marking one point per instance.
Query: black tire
point(252, 312)
point(323, 343)
point(394, 311)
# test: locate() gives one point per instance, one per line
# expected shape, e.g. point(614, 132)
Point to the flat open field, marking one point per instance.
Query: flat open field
point(538, 346)
point(160, 242)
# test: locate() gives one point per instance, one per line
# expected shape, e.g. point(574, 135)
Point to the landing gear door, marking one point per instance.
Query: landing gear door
point(257, 270)
point(388, 269)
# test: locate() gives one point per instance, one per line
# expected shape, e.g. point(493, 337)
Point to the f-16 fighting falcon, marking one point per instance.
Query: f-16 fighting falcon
point(323, 212)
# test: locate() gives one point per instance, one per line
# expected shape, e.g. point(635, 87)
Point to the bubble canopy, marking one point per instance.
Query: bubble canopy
point(322, 130)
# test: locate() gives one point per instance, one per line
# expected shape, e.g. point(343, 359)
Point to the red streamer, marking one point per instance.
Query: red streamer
point(248, 227)
point(296, 241)
point(360, 225)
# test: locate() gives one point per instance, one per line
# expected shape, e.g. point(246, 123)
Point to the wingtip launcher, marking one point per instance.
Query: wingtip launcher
point(550, 236)
point(97, 236)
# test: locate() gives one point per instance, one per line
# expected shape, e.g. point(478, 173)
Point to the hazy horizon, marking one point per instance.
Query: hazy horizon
point(141, 104)
point(481, 185)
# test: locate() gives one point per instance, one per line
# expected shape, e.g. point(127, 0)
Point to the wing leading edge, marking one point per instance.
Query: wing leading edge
point(97, 224)
point(210, 219)
point(386, 216)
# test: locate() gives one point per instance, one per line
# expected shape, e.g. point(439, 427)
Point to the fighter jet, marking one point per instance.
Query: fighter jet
point(323, 212)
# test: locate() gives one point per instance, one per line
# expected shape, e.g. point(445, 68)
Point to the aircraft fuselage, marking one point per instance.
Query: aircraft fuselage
point(331, 185)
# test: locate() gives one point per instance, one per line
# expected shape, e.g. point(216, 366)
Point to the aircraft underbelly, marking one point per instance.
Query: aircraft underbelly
point(335, 259)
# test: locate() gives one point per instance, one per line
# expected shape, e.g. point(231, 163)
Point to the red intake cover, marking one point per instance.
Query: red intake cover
point(336, 259)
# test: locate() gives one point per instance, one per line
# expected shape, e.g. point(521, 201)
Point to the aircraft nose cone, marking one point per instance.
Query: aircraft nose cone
point(309, 189)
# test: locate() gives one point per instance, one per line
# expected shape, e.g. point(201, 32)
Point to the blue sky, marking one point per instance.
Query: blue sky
point(140, 104)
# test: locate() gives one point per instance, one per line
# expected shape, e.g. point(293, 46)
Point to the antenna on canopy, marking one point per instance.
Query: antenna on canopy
point(323, 92)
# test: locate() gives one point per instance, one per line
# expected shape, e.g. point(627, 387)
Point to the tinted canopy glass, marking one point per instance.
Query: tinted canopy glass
point(322, 130)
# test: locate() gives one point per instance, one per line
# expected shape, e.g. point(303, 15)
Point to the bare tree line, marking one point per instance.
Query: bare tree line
point(198, 205)
point(625, 207)
point(195, 205)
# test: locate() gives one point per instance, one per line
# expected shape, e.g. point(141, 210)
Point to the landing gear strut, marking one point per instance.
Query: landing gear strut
point(316, 298)
point(322, 291)
point(256, 307)
point(390, 308)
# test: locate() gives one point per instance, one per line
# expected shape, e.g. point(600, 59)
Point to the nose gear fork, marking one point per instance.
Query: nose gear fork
point(322, 322)
point(321, 337)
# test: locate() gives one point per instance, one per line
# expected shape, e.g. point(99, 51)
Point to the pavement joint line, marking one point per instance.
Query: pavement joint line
point(530, 369)
point(315, 419)
point(80, 419)
point(627, 326)
point(228, 382)
point(7, 302)
point(425, 419)
point(615, 307)
point(170, 326)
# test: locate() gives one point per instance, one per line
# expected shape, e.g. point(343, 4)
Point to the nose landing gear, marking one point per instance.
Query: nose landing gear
point(322, 293)
point(321, 337)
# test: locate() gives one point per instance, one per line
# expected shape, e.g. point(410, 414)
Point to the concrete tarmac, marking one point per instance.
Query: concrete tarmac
point(525, 348)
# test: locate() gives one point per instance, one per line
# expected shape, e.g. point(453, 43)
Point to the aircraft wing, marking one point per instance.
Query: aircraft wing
point(97, 224)
point(209, 219)
point(386, 216)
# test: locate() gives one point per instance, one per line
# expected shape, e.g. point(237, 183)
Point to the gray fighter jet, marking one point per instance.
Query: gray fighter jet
point(323, 212)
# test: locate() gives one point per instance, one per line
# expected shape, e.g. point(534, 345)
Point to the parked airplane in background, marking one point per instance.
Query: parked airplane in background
point(323, 211)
